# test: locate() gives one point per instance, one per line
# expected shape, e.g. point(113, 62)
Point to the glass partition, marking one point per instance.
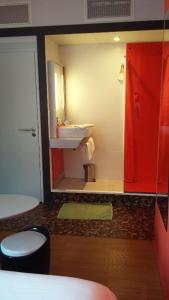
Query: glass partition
point(163, 142)
point(125, 112)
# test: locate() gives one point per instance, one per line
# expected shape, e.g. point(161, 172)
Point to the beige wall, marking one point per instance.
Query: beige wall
point(95, 95)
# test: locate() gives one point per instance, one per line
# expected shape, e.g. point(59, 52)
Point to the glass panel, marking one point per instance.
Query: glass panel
point(163, 144)
point(95, 93)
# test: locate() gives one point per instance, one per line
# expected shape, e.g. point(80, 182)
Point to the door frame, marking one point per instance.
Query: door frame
point(39, 33)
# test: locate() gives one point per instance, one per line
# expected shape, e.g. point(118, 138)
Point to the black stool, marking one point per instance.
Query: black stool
point(27, 251)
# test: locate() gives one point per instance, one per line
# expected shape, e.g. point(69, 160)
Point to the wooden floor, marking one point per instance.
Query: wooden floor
point(127, 267)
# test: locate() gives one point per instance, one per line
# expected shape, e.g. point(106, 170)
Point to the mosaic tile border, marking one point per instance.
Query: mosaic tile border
point(130, 220)
point(127, 223)
point(118, 200)
point(133, 217)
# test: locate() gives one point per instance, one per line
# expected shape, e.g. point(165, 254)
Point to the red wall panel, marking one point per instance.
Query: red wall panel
point(166, 5)
point(161, 235)
point(143, 81)
point(162, 251)
point(57, 162)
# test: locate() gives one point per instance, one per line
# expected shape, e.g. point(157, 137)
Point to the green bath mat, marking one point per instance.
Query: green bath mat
point(84, 211)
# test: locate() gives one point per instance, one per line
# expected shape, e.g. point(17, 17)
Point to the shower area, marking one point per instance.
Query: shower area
point(121, 88)
point(146, 118)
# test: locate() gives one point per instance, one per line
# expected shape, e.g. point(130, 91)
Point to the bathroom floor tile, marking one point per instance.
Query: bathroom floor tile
point(78, 184)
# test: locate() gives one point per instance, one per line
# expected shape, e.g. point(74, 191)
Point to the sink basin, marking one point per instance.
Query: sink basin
point(75, 131)
point(65, 143)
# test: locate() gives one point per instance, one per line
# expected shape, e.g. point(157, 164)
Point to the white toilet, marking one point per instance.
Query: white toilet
point(26, 251)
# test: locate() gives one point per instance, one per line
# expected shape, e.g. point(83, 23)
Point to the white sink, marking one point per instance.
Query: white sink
point(75, 131)
point(70, 136)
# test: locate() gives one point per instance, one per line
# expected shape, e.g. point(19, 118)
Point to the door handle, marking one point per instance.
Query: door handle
point(33, 130)
point(27, 129)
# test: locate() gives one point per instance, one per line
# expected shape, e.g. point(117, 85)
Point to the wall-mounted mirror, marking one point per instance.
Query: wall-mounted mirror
point(56, 95)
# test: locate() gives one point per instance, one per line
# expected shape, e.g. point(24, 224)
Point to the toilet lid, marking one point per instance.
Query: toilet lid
point(22, 243)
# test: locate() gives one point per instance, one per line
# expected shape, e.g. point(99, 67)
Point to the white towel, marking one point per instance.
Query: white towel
point(88, 149)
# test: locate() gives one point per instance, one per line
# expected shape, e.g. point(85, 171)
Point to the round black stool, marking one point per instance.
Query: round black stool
point(27, 251)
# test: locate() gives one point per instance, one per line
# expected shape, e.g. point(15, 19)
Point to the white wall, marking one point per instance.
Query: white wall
point(62, 12)
point(59, 12)
point(95, 95)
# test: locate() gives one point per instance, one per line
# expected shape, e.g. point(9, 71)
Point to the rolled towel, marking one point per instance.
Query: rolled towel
point(90, 141)
point(88, 149)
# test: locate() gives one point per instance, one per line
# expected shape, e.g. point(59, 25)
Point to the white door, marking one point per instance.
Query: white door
point(20, 144)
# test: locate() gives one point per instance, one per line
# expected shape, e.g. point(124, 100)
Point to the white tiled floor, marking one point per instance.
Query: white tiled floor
point(78, 184)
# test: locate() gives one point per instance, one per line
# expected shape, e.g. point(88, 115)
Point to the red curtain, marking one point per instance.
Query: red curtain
point(166, 5)
point(143, 80)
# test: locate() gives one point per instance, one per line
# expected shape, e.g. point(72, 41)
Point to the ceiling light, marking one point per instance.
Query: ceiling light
point(116, 39)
